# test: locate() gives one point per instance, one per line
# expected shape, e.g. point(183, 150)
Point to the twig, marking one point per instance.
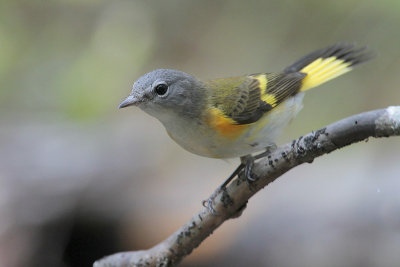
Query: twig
point(231, 202)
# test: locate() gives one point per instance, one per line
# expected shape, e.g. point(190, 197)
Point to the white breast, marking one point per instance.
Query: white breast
point(196, 137)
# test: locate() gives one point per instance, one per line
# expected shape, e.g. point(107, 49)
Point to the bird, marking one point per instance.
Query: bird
point(241, 115)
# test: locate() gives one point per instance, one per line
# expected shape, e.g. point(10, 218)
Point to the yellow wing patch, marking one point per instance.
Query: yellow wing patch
point(263, 84)
point(269, 99)
point(322, 70)
point(223, 125)
point(262, 80)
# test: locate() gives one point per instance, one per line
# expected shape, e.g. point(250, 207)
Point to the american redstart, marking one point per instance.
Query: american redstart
point(237, 116)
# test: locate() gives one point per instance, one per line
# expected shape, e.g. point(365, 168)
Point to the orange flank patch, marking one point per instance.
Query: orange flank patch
point(223, 125)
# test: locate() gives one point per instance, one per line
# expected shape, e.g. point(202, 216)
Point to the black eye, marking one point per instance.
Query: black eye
point(161, 89)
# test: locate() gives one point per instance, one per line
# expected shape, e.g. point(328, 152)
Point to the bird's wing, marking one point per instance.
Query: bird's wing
point(244, 100)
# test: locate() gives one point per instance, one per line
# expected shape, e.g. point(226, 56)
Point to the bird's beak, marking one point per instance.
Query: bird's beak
point(129, 101)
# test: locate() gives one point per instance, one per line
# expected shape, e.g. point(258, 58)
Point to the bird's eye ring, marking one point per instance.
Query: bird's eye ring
point(161, 89)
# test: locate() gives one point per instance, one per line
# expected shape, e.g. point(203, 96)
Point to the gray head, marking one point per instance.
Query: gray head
point(165, 91)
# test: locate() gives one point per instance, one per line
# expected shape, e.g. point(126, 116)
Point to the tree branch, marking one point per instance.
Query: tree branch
point(232, 201)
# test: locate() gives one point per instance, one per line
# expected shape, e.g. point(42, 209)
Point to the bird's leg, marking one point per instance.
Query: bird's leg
point(209, 202)
point(268, 150)
point(246, 163)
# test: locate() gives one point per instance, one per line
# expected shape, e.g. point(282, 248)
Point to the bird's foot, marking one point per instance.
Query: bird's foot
point(209, 203)
point(247, 163)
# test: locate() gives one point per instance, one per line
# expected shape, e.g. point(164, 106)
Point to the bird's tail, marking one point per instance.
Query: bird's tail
point(328, 63)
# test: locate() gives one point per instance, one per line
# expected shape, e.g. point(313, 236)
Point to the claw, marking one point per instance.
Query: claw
point(209, 205)
point(210, 201)
point(271, 148)
point(248, 169)
point(248, 162)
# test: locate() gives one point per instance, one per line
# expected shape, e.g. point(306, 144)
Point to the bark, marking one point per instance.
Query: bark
point(231, 202)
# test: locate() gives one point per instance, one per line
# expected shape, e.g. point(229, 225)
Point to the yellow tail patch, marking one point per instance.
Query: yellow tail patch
point(322, 70)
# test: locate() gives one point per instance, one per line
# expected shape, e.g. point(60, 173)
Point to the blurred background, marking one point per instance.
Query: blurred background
point(80, 179)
